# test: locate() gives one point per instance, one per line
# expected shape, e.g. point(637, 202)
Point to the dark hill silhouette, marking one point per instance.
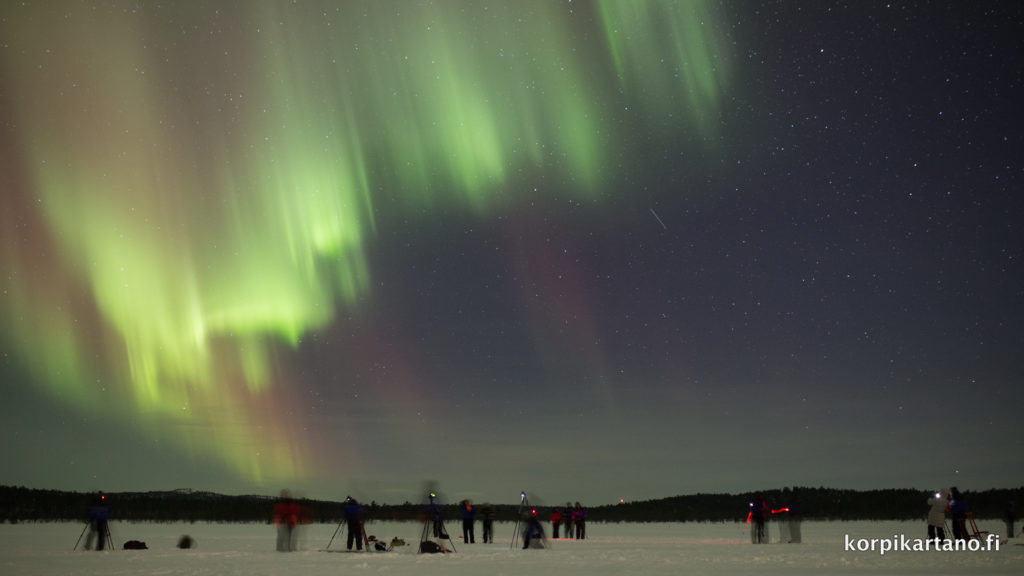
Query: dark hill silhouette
point(19, 504)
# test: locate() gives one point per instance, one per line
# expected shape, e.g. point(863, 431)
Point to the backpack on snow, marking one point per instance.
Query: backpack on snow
point(430, 547)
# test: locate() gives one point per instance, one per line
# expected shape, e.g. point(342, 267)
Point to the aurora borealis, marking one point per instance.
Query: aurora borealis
point(353, 245)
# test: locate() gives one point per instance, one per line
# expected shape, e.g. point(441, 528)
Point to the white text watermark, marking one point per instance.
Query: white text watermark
point(900, 543)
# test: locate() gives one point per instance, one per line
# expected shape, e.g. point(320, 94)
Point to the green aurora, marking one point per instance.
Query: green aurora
point(189, 190)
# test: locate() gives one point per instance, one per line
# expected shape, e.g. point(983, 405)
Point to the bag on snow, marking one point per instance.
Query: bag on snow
point(430, 547)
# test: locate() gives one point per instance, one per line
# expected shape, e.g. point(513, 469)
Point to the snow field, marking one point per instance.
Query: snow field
point(45, 549)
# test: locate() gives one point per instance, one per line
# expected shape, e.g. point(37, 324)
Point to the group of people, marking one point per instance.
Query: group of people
point(469, 522)
point(953, 502)
point(289, 514)
point(574, 519)
point(788, 516)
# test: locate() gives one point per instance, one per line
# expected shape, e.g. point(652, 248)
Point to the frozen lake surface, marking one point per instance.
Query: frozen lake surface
point(611, 549)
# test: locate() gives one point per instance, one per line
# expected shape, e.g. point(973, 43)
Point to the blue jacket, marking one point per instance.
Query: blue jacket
point(353, 512)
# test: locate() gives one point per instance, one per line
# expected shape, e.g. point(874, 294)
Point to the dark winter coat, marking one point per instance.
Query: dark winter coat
point(353, 513)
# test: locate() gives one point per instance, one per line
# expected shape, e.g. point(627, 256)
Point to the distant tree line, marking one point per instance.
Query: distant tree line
point(19, 504)
point(811, 503)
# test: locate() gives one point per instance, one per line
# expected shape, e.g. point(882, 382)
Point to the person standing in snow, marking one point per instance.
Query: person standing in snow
point(436, 519)
point(1009, 516)
point(468, 517)
point(795, 517)
point(354, 519)
point(556, 522)
point(286, 516)
point(579, 517)
point(937, 514)
point(757, 518)
point(567, 519)
point(99, 528)
point(488, 519)
point(958, 509)
point(533, 535)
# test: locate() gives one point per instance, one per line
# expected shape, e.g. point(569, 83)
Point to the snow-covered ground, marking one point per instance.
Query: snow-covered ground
point(611, 549)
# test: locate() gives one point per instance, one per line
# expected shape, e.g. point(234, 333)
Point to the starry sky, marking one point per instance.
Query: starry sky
point(589, 249)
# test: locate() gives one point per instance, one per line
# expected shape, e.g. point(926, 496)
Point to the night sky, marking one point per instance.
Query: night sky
point(592, 249)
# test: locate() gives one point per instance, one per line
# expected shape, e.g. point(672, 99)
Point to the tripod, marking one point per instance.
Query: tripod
point(434, 524)
point(519, 515)
point(102, 527)
point(335, 534)
point(362, 529)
